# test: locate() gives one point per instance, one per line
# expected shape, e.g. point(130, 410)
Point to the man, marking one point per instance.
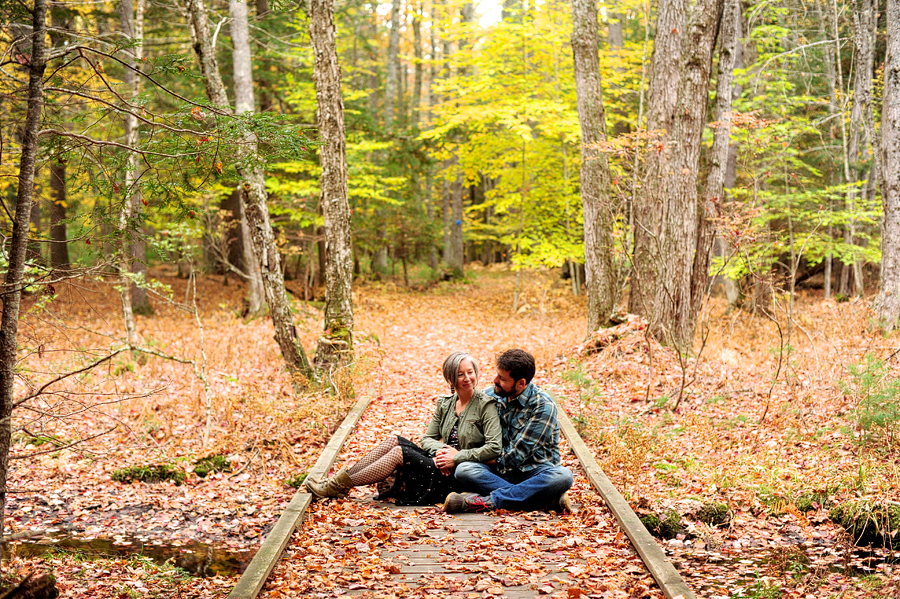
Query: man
point(527, 475)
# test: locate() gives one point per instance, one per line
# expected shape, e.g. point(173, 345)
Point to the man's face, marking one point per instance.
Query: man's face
point(505, 386)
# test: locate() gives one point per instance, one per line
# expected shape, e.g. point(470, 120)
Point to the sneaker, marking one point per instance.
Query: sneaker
point(459, 502)
point(563, 505)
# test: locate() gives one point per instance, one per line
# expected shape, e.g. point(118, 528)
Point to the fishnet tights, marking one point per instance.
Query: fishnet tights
point(378, 464)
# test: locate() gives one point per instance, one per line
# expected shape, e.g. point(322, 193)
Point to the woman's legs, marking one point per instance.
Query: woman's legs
point(378, 470)
point(374, 467)
point(374, 455)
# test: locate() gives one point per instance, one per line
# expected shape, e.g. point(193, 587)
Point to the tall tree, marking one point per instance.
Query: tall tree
point(17, 249)
point(719, 155)
point(59, 244)
point(135, 253)
point(336, 344)
point(244, 103)
point(662, 96)
point(253, 187)
point(391, 84)
point(887, 303)
point(670, 212)
point(599, 212)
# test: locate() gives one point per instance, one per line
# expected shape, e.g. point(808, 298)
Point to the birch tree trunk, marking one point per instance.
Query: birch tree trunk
point(336, 344)
point(887, 303)
point(390, 87)
point(134, 258)
point(245, 102)
point(268, 259)
point(714, 195)
point(18, 244)
point(595, 193)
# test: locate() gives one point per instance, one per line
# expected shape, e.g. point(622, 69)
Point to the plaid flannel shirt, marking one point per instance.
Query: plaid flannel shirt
point(530, 430)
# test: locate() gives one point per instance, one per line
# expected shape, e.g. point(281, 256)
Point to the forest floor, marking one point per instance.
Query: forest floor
point(764, 419)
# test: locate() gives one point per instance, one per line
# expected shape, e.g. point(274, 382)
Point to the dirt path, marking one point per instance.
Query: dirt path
point(358, 546)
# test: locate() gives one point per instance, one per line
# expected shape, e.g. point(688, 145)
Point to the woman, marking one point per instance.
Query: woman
point(465, 427)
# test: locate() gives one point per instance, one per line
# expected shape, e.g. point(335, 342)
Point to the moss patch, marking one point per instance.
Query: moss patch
point(151, 473)
point(213, 463)
point(666, 525)
point(714, 514)
point(296, 480)
point(869, 523)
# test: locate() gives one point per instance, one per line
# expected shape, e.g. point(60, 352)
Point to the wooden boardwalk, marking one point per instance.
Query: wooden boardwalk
point(361, 547)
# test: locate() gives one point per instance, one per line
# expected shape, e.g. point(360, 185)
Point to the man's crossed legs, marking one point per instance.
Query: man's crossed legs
point(541, 488)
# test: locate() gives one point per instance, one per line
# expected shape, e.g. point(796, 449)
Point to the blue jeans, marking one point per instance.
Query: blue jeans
point(532, 490)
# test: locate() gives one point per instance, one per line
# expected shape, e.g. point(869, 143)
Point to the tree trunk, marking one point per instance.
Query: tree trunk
point(34, 246)
point(417, 77)
point(454, 257)
point(253, 189)
point(59, 243)
point(887, 303)
point(135, 258)
point(390, 87)
point(662, 95)
point(714, 197)
point(595, 193)
point(245, 102)
point(17, 249)
point(336, 344)
point(664, 265)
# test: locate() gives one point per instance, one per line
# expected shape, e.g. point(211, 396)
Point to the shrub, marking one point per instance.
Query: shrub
point(877, 395)
point(714, 514)
point(151, 473)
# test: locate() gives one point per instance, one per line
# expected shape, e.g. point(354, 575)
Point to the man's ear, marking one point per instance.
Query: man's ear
point(520, 385)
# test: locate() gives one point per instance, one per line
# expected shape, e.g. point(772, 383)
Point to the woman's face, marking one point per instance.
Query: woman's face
point(466, 378)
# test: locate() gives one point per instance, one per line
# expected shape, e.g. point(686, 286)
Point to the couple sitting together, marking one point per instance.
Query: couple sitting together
point(502, 443)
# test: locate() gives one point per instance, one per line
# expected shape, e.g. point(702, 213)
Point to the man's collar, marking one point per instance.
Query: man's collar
point(525, 397)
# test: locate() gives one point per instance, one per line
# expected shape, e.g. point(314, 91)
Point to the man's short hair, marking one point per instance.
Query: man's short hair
point(518, 363)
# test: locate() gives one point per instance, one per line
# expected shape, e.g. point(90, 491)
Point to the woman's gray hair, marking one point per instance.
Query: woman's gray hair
point(451, 366)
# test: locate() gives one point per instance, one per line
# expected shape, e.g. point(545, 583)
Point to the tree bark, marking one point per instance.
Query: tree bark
point(268, 259)
point(664, 264)
point(59, 243)
point(662, 95)
point(336, 344)
point(245, 102)
point(714, 196)
point(887, 303)
point(135, 258)
point(12, 289)
point(34, 246)
point(390, 87)
point(595, 194)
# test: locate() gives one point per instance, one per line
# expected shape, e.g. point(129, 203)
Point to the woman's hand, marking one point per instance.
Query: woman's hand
point(444, 458)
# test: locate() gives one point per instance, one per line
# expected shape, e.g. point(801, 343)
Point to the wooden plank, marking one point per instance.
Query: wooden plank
point(665, 574)
point(254, 577)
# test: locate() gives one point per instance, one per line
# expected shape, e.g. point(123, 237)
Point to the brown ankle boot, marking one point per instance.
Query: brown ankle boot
point(335, 486)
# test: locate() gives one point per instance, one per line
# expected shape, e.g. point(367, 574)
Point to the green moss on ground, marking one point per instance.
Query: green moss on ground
point(868, 522)
point(150, 473)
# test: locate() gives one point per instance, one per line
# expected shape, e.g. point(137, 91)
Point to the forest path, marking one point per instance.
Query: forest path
point(361, 547)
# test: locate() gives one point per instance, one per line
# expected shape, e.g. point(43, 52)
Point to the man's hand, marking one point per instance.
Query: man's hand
point(444, 458)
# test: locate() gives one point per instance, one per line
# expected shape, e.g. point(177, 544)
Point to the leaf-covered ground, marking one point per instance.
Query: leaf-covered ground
point(619, 388)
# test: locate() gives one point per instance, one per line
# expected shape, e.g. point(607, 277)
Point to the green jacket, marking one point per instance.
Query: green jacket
point(480, 438)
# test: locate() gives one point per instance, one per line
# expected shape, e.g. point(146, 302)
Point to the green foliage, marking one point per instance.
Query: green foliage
point(868, 522)
point(151, 473)
point(714, 514)
point(213, 463)
point(876, 394)
point(297, 480)
point(665, 525)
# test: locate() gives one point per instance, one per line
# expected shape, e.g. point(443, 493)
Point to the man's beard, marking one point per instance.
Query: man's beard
point(501, 392)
